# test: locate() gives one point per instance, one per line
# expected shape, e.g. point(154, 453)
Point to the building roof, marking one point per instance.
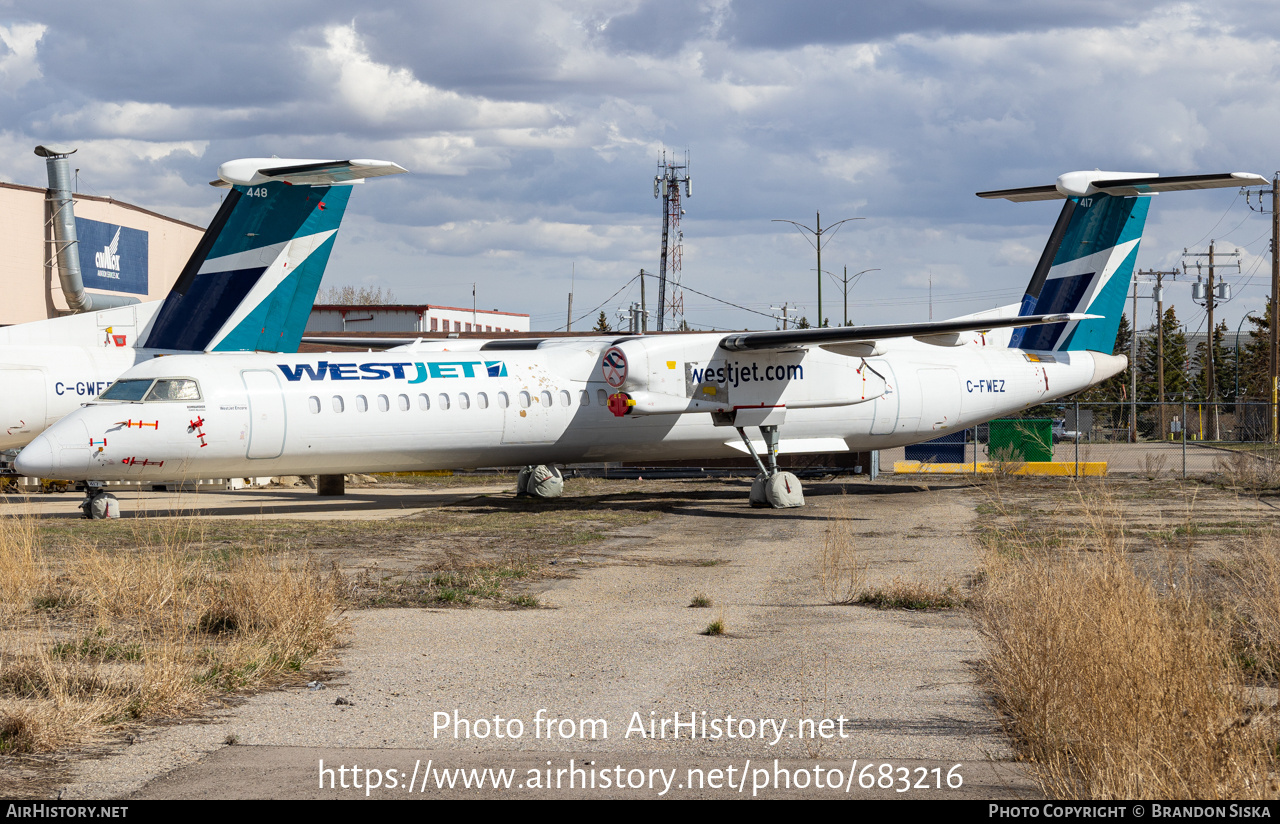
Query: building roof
point(81, 196)
point(405, 307)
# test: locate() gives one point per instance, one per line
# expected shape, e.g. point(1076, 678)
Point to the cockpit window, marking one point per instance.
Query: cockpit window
point(127, 390)
point(174, 389)
point(165, 389)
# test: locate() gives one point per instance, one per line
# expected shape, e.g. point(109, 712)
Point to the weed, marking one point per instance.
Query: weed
point(912, 594)
point(700, 601)
point(716, 627)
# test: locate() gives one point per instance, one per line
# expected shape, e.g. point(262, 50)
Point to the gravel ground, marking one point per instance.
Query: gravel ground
point(616, 640)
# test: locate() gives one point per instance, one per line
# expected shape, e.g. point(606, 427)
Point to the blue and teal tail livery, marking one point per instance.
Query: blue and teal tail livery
point(1088, 263)
point(250, 283)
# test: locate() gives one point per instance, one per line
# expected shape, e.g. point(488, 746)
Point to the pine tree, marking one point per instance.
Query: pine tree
point(803, 323)
point(1224, 389)
point(602, 324)
point(1255, 358)
point(1175, 361)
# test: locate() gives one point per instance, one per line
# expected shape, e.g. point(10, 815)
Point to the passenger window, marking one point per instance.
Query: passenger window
point(482, 400)
point(338, 404)
point(564, 398)
point(444, 401)
point(602, 397)
point(546, 398)
point(174, 389)
point(362, 403)
point(384, 403)
point(314, 403)
point(503, 400)
point(464, 400)
point(424, 402)
point(525, 400)
point(585, 398)
point(403, 403)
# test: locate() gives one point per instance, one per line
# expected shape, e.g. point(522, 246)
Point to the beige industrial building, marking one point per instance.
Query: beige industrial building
point(417, 318)
point(157, 249)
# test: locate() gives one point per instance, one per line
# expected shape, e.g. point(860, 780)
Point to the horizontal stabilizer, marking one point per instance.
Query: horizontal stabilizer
point(255, 171)
point(856, 334)
point(1123, 184)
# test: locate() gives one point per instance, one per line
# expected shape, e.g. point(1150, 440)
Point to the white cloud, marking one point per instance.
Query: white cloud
point(20, 66)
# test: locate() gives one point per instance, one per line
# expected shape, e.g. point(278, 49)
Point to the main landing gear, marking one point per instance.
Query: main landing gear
point(772, 487)
point(99, 504)
point(542, 481)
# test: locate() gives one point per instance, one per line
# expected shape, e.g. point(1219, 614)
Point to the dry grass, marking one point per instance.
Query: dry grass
point(99, 639)
point(1118, 686)
point(1257, 606)
point(1006, 462)
point(913, 593)
point(842, 573)
point(843, 579)
point(1256, 471)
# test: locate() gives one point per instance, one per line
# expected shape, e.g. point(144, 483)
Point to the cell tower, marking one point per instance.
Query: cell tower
point(666, 184)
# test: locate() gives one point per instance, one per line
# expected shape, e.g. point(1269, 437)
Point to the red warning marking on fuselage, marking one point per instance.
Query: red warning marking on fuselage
point(102, 442)
point(131, 423)
point(143, 462)
point(194, 426)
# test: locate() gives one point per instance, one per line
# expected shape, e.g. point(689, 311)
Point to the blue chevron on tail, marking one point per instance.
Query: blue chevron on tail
point(253, 277)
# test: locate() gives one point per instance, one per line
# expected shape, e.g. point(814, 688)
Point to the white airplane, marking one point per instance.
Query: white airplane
point(248, 285)
point(469, 403)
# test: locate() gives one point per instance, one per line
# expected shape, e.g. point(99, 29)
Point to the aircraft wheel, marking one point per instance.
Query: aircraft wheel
point(542, 481)
point(101, 506)
point(783, 491)
point(757, 496)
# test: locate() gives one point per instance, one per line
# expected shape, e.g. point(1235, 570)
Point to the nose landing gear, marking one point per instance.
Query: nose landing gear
point(99, 504)
point(772, 487)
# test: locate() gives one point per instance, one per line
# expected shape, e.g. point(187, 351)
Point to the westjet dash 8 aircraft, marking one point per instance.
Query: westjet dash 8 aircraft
point(249, 285)
point(468, 403)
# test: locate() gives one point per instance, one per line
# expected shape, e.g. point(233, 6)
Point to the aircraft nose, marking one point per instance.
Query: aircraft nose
point(36, 459)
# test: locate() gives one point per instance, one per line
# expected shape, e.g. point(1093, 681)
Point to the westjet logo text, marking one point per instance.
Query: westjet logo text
point(415, 372)
point(733, 374)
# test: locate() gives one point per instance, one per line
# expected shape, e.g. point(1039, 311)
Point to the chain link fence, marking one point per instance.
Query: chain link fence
point(1191, 439)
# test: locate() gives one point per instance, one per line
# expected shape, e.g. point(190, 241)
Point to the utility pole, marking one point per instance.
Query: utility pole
point(1133, 369)
point(1274, 349)
point(1211, 296)
point(1157, 294)
point(783, 310)
point(817, 243)
point(568, 324)
point(644, 313)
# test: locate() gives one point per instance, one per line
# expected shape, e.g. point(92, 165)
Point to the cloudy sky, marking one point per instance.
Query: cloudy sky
point(533, 131)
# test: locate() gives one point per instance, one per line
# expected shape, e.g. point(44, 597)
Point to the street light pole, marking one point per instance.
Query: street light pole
point(817, 244)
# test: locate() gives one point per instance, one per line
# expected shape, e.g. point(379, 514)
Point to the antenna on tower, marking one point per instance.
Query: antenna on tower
point(666, 185)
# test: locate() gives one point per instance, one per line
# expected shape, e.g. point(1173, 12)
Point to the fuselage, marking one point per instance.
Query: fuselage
point(476, 404)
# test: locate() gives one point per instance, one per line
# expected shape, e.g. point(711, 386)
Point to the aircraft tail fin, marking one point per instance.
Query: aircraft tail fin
point(1086, 267)
point(1088, 263)
point(250, 283)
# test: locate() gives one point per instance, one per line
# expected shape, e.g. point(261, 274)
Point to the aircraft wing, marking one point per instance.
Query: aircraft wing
point(869, 334)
